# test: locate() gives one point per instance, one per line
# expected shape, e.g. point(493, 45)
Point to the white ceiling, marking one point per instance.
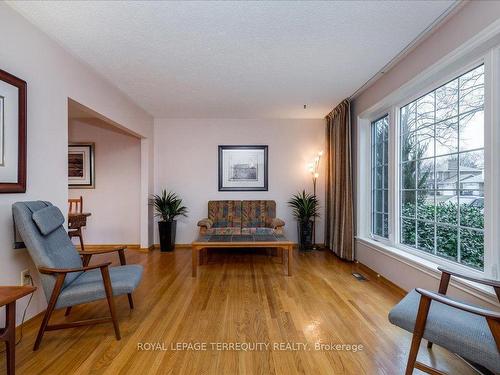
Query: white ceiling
point(235, 59)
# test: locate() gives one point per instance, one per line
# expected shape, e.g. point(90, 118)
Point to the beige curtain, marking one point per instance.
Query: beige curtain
point(339, 229)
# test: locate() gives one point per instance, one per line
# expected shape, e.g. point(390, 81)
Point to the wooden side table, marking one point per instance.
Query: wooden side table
point(8, 297)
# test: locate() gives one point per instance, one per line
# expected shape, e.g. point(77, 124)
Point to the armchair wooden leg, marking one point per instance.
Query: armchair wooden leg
point(50, 309)
point(81, 242)
point(418, 332)
point(429, 345)
point(123, 260)
point(68, 310)
point(109, 295)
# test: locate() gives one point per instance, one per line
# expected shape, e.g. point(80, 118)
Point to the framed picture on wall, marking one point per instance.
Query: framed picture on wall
point(12, 134)
point(243, 168)
point(81, 173)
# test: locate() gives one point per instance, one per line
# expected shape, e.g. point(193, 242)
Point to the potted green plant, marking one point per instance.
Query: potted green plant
point(305, 208)
point(167, 206)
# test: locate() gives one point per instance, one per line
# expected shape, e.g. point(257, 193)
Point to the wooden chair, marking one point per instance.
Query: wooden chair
point(472, 332)
point(75, 221)
point(66, 279)
point(77, 203)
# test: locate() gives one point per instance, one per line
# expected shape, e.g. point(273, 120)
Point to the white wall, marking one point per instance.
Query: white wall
point(147, 190)
point(53, 76)
point(186, 162)
point(467, 22)
point(115, 201)
point(473, 17)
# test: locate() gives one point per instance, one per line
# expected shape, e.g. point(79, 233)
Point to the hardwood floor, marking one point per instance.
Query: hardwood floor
point(236, 298)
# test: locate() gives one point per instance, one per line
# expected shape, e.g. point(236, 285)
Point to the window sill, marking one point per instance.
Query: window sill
point(428, 267)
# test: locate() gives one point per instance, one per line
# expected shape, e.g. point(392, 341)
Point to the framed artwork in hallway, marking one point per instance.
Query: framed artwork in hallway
point(81, 160)
point(243, 168)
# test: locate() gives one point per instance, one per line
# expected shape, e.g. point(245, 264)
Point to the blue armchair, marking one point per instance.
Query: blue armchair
point(470, 331)
point(66, 276)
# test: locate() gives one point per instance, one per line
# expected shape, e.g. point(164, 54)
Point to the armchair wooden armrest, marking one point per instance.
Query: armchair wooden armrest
point(51, 271)
point(102, 251)
point(446, 276)
point(460, 305)
point(480, 280)
point(87, 254)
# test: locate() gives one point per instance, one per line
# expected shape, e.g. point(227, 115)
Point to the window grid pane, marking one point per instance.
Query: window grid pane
point(442, 171)
point(379, 170)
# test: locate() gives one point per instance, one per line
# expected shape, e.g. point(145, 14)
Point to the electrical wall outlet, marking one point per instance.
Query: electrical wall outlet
point(25, 277)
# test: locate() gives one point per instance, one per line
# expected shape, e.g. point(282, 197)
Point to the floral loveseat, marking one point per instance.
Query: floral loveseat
point(241, 217)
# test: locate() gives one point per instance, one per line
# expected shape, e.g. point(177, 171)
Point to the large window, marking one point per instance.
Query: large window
point(441, 170)
point(380, 177)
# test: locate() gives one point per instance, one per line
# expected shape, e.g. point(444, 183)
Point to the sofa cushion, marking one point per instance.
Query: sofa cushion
point(225, 214)
point(261, 230)
point(224, 230)
point(257, 213)
point(461, 332)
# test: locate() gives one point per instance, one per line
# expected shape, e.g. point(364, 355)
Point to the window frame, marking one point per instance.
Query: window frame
point(447, 79)
point(450, 76)
point(445, 72)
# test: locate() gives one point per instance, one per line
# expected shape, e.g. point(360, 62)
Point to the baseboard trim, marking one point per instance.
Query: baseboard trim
point(146, 249)
point(373, 274)
point(41, 313)
point(156, 246)
point(133, 246)
point(467, 287)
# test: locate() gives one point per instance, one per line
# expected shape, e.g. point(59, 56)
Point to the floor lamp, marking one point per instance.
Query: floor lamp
point(313, 168)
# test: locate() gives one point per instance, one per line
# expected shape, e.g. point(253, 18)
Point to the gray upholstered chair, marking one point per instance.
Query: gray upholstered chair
point(470, 331)
point(66, 277)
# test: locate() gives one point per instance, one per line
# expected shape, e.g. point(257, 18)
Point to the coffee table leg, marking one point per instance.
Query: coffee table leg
point(203, 256)
point(289, 260)
point(194, 261)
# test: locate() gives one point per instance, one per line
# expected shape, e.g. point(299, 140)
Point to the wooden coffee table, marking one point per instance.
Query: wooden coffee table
point(216, 241)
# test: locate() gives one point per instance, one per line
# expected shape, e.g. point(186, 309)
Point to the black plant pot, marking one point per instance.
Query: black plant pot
point(305, 229)
point(167, 234)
